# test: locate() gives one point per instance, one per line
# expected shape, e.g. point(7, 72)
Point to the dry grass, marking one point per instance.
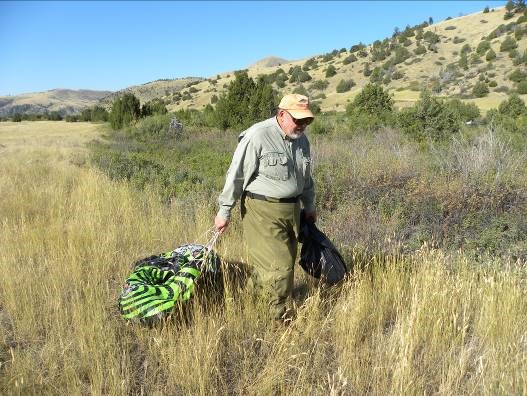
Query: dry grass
point(430, 323)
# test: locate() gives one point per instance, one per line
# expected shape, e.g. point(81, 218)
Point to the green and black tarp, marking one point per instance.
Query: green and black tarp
point(158, 283)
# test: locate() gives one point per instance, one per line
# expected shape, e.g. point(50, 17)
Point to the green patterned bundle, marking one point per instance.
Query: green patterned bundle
point(158, 283)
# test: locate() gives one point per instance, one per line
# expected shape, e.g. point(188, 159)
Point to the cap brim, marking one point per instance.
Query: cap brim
point(299, 114)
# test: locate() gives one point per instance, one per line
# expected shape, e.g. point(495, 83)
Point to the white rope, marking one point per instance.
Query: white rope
point(212, 241)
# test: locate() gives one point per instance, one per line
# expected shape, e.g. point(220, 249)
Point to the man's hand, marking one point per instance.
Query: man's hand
point(221, 224)
point(311, 216)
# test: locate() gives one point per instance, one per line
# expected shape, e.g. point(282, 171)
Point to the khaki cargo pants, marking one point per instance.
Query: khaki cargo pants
point(271, 230)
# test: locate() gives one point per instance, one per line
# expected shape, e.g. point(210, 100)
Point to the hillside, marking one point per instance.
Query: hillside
point(154, 89)
point(423, 56)
point(65, 101)
point(449, 58)
point(270, 61)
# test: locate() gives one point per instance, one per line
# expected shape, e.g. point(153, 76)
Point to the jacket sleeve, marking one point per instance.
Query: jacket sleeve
point(308, 194)
point(243, 166)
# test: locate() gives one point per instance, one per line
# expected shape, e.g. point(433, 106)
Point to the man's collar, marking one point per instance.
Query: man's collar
point(284, 136)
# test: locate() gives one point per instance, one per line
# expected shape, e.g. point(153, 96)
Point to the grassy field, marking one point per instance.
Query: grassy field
point(428, 322)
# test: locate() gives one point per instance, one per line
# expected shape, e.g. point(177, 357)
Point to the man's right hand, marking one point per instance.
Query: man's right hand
point(221, 224)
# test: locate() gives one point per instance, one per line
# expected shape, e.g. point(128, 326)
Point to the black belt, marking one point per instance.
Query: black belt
point(271, 199)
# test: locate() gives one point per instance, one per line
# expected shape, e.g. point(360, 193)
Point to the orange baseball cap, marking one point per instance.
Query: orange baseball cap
point(297, 105)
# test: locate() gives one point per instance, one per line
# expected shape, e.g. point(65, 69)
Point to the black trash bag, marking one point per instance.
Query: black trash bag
point(318, 256)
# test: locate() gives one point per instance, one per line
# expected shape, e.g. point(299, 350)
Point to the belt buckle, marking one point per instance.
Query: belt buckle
point(271, 199)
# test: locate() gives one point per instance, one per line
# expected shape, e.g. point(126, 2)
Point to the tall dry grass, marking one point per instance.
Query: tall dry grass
point(429, 323)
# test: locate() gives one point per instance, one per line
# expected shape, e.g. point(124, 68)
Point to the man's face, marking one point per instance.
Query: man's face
point(292, 127)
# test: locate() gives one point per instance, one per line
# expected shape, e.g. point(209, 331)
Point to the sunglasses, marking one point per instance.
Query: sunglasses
point(300, 121)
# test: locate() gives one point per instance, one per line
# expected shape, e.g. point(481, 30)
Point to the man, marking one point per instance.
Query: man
point(271, 173)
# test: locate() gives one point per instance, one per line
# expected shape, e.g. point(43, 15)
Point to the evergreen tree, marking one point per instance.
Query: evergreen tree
point(152, 107)
point(125, 110)
point(372, 100)
point(513, 107)
point(245, 102)
point(262, 103)
point(480, 90)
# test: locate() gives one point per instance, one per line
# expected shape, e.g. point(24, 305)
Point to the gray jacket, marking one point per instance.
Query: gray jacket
point(269, 163)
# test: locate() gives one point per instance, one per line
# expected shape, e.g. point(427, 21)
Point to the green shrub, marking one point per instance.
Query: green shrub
point(514, 54)
point(153, 107)
point(493, 84)
point(331, 71)
point(420, 50)
point(463, 61)
point(357, 47)
point(301, 90)
point(475, 59)
point(376, 75)
point(491, 55)
point(153, 127)
point(320, 85)
point(513, 107)
point(315, 107)
point(372, 100)
point(483, 47)
point(55, 116)
point(72, 118)
point(362, 119)
point(429, 118)
point(345, 85)
point(430, 37)
point(458, 40)
point(517, 75)
point(465, 111)
point(349, 59)
point(450, 28)
point(310, 64)
point(502, 88)
point(466, 49)
point(480, 90)
point(508, 44)
point(401, 54)
point(397, 75)
point(318, 127)
point(298, 75)
point(508, 15)
point(521, 87)
point(17, 117)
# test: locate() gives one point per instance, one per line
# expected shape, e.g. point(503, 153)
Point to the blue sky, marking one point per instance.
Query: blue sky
point(112, 45)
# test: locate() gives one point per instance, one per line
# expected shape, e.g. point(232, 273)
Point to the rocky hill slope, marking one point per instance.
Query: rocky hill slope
point(154, 89)
point(450, 58)
point(65, 101)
